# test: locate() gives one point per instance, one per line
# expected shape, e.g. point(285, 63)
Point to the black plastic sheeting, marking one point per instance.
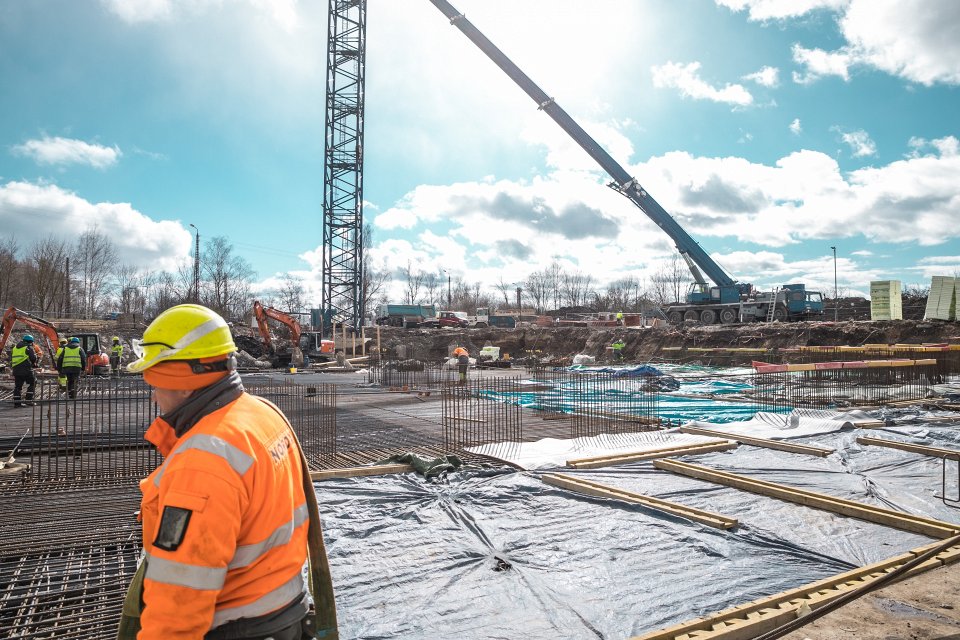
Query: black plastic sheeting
point(499, 554)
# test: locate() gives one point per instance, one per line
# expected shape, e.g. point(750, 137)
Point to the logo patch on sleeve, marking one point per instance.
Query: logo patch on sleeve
point(173, 526)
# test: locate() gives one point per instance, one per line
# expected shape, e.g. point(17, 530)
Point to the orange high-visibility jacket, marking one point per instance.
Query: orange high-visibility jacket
point(237, 472)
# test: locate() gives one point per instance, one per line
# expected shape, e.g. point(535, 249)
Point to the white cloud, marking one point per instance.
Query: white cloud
point(820, 63)
point(765, 77)
point(63, 151)
point(795, 127)
point(763, 10)
point(910, 39)
point(686, 78)
point(859, 142)
point(283, 12)
point(30, 212)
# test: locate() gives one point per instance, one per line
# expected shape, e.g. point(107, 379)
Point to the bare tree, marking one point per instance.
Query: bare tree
point(45, 277)
point(536, 289)
point(9, 271)
point(291, 293)
point(130, 288)
point(505, 289)
point(553, 280)
point(414, 280)
point(92, 261)
point(667, 282)
point(576, 288)
point(431, 283)
point(228, 278)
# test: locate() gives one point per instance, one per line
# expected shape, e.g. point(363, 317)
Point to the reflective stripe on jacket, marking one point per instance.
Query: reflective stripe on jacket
point(71, 359)
point(238, 473)
point(18, 355)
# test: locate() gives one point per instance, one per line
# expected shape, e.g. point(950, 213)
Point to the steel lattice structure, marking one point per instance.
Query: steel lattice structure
point(343, 162)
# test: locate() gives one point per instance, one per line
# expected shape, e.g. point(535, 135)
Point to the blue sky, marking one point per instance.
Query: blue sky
point(771, 129)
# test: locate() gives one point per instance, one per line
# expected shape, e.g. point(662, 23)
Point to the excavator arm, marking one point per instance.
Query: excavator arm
point(13, 315)
point(262, 313)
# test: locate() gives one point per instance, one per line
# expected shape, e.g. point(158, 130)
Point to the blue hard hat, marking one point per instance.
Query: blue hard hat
point(28, 338)
point(74, 340)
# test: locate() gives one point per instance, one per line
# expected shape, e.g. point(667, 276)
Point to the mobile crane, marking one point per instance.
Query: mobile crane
point(728, 300)
point(89, 342)
point(305, 343)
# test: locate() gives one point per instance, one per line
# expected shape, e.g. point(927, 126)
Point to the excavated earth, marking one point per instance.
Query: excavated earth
point(649, 343)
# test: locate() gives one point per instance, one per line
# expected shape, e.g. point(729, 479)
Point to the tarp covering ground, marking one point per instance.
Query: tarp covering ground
point(499, 554)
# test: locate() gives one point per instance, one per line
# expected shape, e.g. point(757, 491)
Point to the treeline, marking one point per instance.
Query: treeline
point(56, 278)
point(553, 287)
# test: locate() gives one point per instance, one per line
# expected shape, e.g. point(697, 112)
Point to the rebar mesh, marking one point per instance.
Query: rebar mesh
point(554, 404)
point(842, 384)
point(99, 433)
point(410, 374)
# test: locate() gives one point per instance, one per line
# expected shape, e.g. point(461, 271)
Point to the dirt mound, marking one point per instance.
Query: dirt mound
point(562, 342)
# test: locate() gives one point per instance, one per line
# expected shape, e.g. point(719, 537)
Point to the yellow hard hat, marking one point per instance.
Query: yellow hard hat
point(116, 339)
point(184, 332)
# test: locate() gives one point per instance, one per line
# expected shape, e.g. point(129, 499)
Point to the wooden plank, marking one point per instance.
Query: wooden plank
point(652, 454)
point(879, 515)
point(767, 443)
point(356, 472)
point(572, 483)
point(936, 452)
point(754, 618)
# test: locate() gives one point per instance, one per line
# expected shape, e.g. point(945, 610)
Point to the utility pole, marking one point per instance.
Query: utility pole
point(196, 266)
point(836, 303)
point(449, 303)
point(519, 291)
point(66, 289)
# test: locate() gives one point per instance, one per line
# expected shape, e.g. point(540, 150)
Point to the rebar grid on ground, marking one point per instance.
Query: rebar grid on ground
point(66, 558)
point(842, 384)
point(417, 374)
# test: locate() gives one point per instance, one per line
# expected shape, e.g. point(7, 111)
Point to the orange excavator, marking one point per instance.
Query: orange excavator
point(90, 342)
point(305, 343)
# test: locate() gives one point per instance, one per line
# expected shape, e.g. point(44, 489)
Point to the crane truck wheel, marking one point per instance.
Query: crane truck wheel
point(481, 325)
point(728, 316)
point(690, 314)
point(779, 314)
point(675, 317)
point(708, 316)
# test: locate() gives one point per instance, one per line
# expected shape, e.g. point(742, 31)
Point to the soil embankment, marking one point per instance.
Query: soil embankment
point(643, 344)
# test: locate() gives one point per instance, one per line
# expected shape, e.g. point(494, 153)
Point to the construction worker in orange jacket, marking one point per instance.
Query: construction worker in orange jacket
point(226, 516)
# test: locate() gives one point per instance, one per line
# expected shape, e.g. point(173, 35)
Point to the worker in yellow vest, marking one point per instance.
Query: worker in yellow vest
point(116, 355)
point(61, 377)
point(23, 360)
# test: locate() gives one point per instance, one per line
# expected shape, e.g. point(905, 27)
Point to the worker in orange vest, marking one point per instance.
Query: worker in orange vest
point(229, 517)
point(463, 362)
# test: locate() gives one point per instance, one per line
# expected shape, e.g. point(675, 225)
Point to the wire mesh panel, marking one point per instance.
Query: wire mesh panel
point(311, 410)
point(410, 374)
point(842, 384)
point(98, 433)
point(476, 413)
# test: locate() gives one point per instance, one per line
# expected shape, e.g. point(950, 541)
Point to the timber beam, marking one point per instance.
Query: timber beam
point(579, 485)
point(870, 513)
point(651, 454)
point(936, 452)
point(766, 443)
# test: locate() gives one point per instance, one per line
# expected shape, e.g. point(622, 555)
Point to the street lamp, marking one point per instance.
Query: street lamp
point(196, 265)
point(836, 302)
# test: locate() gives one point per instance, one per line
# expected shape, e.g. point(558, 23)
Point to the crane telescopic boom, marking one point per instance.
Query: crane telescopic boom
point(623, 182)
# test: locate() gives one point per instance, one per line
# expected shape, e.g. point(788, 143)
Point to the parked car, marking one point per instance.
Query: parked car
point(457, 319)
